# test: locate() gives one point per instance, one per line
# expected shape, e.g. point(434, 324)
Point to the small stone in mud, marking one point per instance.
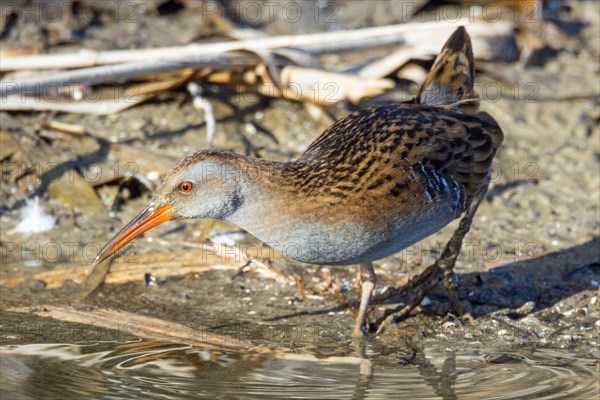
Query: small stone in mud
point(150, 280)
point(39, 285)
point(505, 358)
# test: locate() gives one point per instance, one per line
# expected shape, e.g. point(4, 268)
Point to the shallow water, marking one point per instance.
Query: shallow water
point(151, 370)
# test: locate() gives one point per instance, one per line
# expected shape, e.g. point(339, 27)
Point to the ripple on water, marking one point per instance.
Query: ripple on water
point(151, 370)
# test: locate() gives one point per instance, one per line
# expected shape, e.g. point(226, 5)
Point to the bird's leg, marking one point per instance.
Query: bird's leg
point(445, 263)
point(441, 270)
point(368, 280)
point(448, 258)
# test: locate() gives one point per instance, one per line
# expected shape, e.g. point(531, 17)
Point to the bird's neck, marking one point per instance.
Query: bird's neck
point(266, 188)
point(253, 176)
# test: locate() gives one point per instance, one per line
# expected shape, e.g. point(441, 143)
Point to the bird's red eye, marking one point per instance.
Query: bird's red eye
point(185, 187)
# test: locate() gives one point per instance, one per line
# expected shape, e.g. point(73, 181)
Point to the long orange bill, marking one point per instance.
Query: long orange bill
point(146, 220)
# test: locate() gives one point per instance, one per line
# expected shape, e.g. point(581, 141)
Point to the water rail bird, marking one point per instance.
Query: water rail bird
point(375, 182)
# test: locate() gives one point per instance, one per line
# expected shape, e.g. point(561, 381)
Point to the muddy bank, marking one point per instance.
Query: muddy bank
point(529, 272)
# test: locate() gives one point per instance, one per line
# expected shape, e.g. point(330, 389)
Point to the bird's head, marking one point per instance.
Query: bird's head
point(206, 184)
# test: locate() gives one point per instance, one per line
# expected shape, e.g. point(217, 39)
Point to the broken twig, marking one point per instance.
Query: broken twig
point(202, 104)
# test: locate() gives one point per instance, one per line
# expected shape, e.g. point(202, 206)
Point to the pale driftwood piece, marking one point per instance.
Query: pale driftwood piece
point(318, 42)
point(65, 127)
point(160, 265)
point(428, 38)
point(131, 269)
point(490, 42)
point(129, 98)
point(387, 65)
point(105, 107)
point(322, 87)
point(159, 84)
point(412, 72)
point(111, 73)
point(145, 327)
point(311, 85)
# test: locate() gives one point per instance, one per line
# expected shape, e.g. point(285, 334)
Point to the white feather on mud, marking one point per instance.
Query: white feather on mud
point(33, 219)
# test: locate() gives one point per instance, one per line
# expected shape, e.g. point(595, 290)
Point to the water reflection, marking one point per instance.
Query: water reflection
point(153, 370)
